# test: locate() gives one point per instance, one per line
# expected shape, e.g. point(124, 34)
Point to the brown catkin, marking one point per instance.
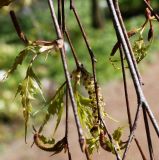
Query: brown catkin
point(88, 82)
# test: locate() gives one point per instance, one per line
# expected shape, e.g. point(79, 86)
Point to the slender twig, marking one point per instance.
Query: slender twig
point(67, 75)
point(138, 89)
point(148, 134)
point(140, 149)
point(116, 5)
point(125, 88)
point(132, 130)
point(151, 9)
point(63, 15)
point(20, 33)
point(111, 140)
point(72, 6)
point(78, 64)
point(66, 126)
point(127, 101)
point(140, 96)
point(59, 13)
point(93, 61)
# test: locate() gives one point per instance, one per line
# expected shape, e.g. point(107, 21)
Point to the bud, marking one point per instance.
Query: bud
point(150, 34)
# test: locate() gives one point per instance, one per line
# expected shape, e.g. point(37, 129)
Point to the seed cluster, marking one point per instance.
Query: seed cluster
point(88, 82)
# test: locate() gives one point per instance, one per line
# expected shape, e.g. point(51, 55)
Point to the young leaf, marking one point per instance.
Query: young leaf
point(93, 143)
point(18, 61)
point(27, 90)
point(118, 133)
point(26, 96)
point(84, 111)
point(35, 81)
point(140, 49)
point(55, 107)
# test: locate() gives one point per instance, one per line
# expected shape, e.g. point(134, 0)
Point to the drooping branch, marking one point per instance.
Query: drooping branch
point(116, 5)
point(66, 125)
point(67, 75)
point(142, 102)
point(127, 101)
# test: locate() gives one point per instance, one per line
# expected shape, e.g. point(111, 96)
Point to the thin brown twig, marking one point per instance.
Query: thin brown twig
point(18, 29)
point(127, 101)
point(63, 15)
point(138, 89)
point(116, 5)
point(131, 136)
point(67, 75)
point(151, 9)
point(93, 60)
point(78, 64)
point(59, 15)
point(139, 92)
point(148, 134)
point(66, 125)
point(72, 7)
point(111, 139)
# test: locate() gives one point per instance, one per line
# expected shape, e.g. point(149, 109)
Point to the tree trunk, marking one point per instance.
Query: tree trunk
point(97, 17)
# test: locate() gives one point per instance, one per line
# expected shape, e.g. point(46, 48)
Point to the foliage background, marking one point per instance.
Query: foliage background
point(36, 22)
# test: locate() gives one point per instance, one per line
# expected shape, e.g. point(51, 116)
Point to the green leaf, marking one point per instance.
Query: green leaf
point(93, 143)
point(36, 84)
point(23, 90)
point(55, 107)
point(140, 48)
point(27, 90)
point(117, 133)
point(18, 61)
point(84, 111)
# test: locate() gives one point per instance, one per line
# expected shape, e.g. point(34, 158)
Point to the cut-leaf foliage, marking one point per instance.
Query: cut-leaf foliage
point(18, 61)
point(118, 133)
point(55, 107)
point(84, 111)
point(34, 49)
point(140, 49)
point(93, 143)
point(27, 90)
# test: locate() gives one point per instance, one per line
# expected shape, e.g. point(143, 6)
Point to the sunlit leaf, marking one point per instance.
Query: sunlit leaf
point(18, 61)
point(27, 89)
point(93, 143)
point(84, 111)
point(140, 49)
point(36, 84)
point(117, 133)
point(55, 107)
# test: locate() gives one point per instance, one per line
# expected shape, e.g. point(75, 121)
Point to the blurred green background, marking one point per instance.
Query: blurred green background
point(36, 23)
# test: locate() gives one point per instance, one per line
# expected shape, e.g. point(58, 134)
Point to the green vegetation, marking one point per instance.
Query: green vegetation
point(36, 23)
